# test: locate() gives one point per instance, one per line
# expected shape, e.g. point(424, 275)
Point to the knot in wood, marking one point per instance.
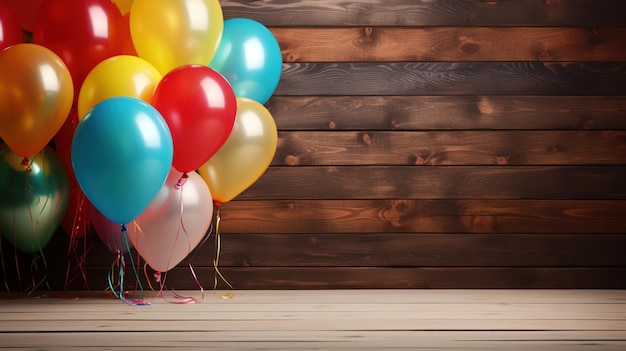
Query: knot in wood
point(470, 48)
point(502, 160)
point(366, 139)
point(291, 160)
point(545, 56)
point(483, 223)
point(367, 38)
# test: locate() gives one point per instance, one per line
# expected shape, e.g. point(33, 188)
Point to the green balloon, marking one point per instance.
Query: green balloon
point(34, 198)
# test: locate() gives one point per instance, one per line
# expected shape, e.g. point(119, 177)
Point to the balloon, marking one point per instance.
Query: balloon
point(110, 233)
point(121, 153)
point(34, 198)
point(10, 30)
point(201, 118)
point(123, 5)
point(35, 97)
point(26, 12)
point(128, 48)
point(246, 154)
point(81, 32)
point(168, 230)
point(250, 59)
point(63, 143)
point(174, 33)
point(122, 75)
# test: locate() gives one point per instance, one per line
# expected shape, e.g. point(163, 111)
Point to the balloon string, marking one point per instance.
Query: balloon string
point(182, 180)
point(34, 268)
point(162, 277)
point(134, 301)
point(116, 263)
point(120, 263)
point(218, 249)
point(78, 222)
point(15, 257)
point(4, 269)
point(34, 265)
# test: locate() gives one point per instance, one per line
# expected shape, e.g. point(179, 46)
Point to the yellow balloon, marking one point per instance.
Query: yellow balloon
point(245, 155)
point(36, 93)
point(170, 33)
point(122, 75)
point(123, 5)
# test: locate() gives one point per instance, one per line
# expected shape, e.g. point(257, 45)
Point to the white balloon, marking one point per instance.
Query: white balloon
point(166, 232)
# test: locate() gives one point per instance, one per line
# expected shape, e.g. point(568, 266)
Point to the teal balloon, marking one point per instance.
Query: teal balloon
point(122, 152)
point(249, 58)
point(34, 198)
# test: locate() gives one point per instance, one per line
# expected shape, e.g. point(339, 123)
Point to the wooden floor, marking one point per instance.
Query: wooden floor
point(323, 320)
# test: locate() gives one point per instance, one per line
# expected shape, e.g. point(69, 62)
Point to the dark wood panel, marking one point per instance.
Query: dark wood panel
point(424, 216)
point(389, 278)
point(451, 148)
point(389, 44)
point(447, 112)
point(429, 13)
point(426, 182)
point(453, 78)
point(422, 250)
point(402, 250)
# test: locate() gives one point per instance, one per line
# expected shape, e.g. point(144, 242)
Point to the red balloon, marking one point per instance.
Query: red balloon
point(26, 12)
point(128, 48)
point(199, 107)
point(81, 32)
point(10, 30)
point(63, 143)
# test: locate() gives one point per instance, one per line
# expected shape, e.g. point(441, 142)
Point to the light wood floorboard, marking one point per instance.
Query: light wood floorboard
point(321, 320)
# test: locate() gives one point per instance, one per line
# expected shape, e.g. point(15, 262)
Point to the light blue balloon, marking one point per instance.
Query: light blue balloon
point(122, 152)
point(249, 58)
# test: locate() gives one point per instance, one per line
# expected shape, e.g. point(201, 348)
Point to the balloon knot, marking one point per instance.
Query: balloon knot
point(26, 162)
point(123, 227)
point(182, 180)
point(157, 277)
point(217, 203)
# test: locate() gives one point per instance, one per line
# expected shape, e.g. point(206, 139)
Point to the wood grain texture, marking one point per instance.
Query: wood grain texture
point(440, 143)
point(368, 320)
point(424, 216)
point(319, 13)
point(425, 182)
point(451, 148)
point(451, 112)
point(453, 78)
point(389, 44)
point(423, 250)
point(252, 278)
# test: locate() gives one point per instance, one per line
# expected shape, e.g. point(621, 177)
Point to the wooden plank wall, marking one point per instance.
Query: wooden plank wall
point(433, 144)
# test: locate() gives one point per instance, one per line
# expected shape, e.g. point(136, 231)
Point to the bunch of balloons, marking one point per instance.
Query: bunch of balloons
point(157, 111)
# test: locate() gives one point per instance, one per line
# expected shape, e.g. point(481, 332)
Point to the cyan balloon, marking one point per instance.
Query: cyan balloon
point(122, 152)
point(249, 58)
point(34, 198)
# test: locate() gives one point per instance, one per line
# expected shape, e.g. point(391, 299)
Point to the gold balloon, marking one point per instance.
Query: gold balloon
point(170, 34)
point(36, 93)
point(122, 75)
point(245, 155)
point(123, 5)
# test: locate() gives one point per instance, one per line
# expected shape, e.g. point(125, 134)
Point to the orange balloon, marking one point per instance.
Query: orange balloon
point(36, 93)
